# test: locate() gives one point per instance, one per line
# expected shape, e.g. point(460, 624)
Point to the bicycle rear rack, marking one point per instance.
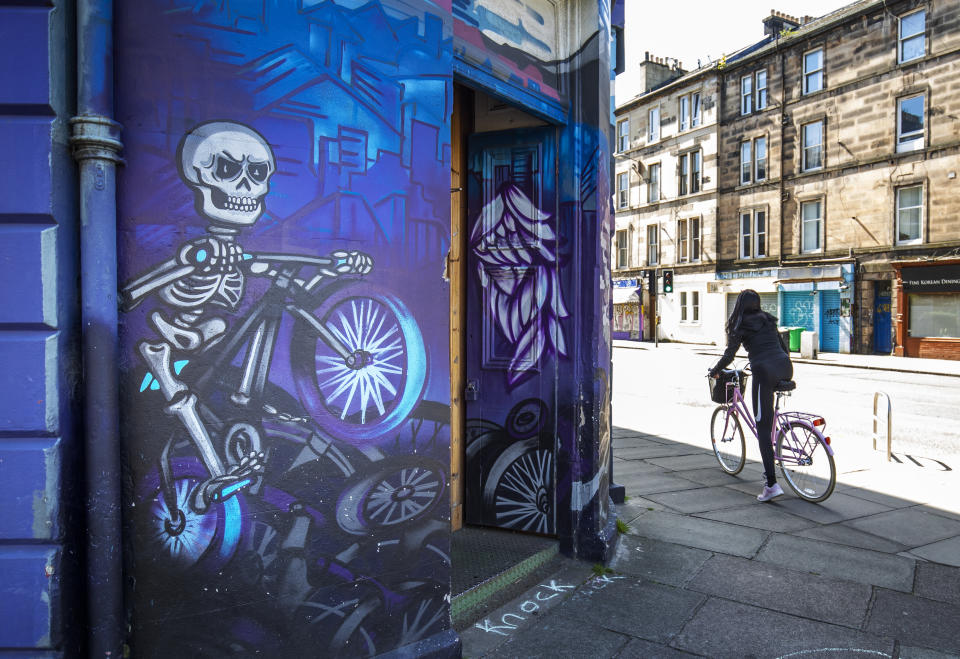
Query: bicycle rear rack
point(876, 418)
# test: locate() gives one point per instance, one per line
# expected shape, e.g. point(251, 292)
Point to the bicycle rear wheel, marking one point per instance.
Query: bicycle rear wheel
point(806, 464)
point(726, 437)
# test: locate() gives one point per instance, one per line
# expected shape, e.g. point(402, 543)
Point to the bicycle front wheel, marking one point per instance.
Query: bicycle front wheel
point(806, 464)
point(726, 436)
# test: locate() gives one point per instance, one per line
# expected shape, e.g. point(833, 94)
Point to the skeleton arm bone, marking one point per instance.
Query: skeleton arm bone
point(137, 290)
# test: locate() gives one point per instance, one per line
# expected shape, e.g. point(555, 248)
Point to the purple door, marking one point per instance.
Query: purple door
point(515, 329)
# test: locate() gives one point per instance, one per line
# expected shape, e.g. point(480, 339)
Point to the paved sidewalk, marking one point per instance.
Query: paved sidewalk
point(706, 570)
point(875, 362)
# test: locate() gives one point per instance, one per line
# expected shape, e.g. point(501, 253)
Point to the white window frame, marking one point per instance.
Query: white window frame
point(683, 306)
point(805, 148)
point(653, 125)
point(683, 174)
point(623, 190)
point(653, 183)
point(682, 244)
point(694, 226)
point(695, 109)
point(623, 249)
point(683, 113)
point(896, 229)
point(760, 91)
point(757, 159)
point(696, 171)
point(746, 94)
point(688, 240)
point(804, 248)
point(623, 135)
point(653, 244)
point(903, 40)
point(746, 162)
point(917, 139)
point(695, 306)
point(813, 74)
point(750, 236)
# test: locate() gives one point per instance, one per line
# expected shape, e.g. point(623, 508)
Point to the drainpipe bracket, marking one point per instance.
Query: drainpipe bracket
point(95, 137)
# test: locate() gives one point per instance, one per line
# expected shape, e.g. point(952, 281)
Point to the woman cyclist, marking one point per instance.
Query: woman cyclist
point(756, 330)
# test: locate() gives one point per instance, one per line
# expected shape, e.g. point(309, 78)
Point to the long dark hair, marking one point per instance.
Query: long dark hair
point(748, 302)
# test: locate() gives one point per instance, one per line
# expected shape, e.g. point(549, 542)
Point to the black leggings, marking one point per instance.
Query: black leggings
point(766, 374)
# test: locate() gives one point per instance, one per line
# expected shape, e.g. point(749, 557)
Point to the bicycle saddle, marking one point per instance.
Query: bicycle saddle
point(785, 385)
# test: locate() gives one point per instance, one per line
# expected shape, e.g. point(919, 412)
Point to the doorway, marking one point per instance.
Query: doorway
point(505, 301)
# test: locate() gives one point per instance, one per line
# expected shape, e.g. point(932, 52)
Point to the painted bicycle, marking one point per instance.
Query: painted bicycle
point(802, 451)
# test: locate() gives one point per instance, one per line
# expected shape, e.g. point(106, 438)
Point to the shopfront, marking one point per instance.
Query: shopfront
point(819, 299)
point(627, 313)
point(928, 297)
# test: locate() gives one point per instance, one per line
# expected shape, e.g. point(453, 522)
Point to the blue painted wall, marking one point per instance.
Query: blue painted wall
point(38, 335)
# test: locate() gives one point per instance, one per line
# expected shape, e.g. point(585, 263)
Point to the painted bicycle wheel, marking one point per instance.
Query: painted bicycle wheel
point(726, 437)
point(807, 466)
point(375, 379)
point(519, 488)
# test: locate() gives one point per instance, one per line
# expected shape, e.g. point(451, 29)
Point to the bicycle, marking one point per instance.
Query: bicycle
point(801, 450)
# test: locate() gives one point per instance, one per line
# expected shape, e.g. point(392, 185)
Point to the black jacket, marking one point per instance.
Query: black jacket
point(758, 334)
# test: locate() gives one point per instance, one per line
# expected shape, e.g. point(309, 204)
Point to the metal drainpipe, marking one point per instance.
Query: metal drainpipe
point(96, 147)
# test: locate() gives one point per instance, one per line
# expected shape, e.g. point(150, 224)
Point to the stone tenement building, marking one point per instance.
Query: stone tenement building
point(837, 184)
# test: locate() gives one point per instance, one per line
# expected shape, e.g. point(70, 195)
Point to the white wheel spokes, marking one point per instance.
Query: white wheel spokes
point(198, 529)
point(399, 499)
point(417, 628)
point(365, 326)
point(519, 492)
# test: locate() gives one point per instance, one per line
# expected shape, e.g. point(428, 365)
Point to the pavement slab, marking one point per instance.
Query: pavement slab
point(682, 462)
point(912, 527)
point(788, 591)
point(908, 652)
point(837, 508)
point(647, 484)
point(722, 629)
point(635, 506)
point(702, 499)
point(873, 495)
point(754, 515)
point(849, 563)
point(938, 582)
point(916, 620)
point(845, 535)
point(662, 562)
point(699, 533)
point(641, 649)
point(557, 638)
point(654, 451)
point(631, 606)
point(946, 551)
point(710, 476)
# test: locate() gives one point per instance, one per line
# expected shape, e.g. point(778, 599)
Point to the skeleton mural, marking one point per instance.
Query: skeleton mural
point(516, 250)
point(228, 166)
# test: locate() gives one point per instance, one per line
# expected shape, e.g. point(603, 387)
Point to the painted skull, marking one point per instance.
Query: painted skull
point(229, 166)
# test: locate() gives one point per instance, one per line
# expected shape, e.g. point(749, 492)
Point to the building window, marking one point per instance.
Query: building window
point(934, 315)
point(812, 136)
point(746, 162)
point(623, 250)
point(690, 172)
point(653, 184)
point(761, 93)
point(623, 135)
point(653, 249)
point(688, 240)
point(689, 111)
point(683, 306)
point(695, 305)
point(811, 219)
point(911, 43)
point(623, 190)
point(653, 125)
point(813, 71)
point(760, 155)
point(753, 234)
point(746, 94)
point(683, 174)
point(909, 215)
point(910, 120)
point(696, 168)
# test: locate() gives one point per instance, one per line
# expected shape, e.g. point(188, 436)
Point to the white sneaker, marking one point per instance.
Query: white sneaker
point(770, 492)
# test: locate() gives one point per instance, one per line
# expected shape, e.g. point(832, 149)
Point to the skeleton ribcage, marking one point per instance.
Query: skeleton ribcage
point(221, 289)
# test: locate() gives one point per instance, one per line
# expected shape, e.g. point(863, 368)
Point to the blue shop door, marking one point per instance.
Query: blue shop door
point(514, 307)
point(798, 309)
point(882, 341)
point(830, 321)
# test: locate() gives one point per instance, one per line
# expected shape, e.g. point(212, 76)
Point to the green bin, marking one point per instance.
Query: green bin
point(795, 333)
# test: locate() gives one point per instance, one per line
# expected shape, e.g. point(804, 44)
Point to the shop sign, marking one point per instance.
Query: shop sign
point(625, 283)
point(744, 274)
point(931, 279)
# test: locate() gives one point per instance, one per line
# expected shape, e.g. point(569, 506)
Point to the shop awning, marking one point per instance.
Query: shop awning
point(625, 296)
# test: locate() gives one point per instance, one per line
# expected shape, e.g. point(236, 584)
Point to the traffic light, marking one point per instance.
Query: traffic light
point(668, 281)
point(652, 281)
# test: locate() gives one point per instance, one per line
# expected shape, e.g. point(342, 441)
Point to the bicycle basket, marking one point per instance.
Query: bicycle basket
point(718, 386)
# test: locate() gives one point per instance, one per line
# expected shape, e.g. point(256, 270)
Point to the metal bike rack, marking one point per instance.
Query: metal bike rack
point(876, 397)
